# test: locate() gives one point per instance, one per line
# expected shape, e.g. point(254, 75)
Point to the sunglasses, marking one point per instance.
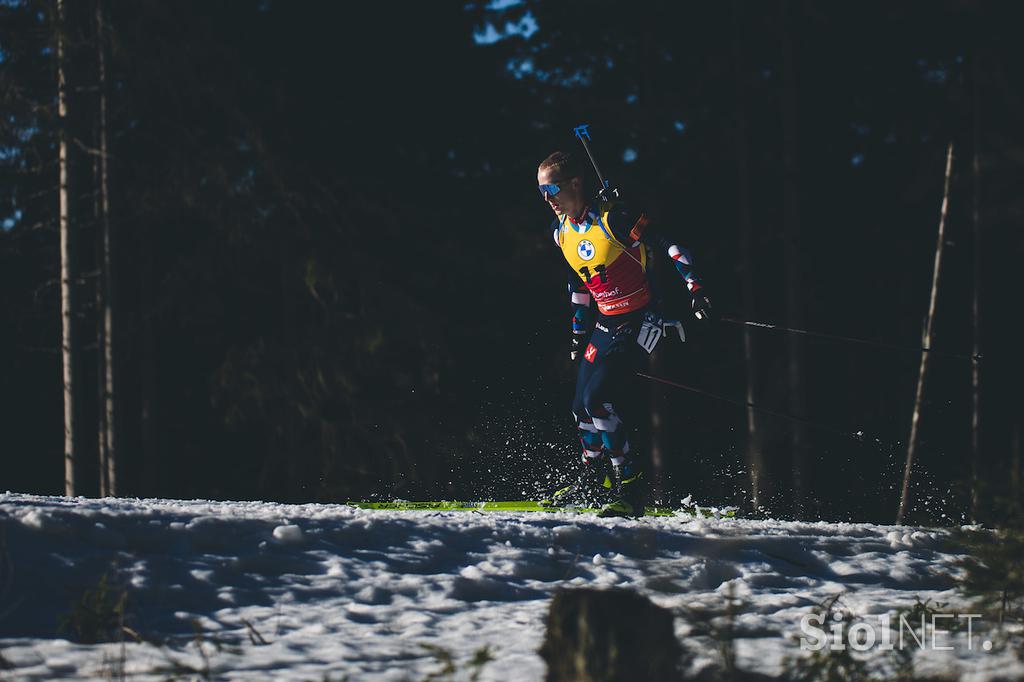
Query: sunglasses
point(551, 189)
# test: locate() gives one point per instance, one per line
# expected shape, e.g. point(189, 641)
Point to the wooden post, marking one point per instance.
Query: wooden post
point(926, 343)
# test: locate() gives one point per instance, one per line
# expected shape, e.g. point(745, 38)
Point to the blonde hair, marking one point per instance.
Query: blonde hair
point(563, 164)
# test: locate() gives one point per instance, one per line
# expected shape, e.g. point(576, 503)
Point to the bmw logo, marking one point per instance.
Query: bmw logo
point(585, 249)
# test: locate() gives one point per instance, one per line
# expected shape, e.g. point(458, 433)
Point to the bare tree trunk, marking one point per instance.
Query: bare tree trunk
point(295, 462)
point(1015, 465)
point(975, 301)
point(926, 343)
point(100, 295)
point(148, 414)
point(108, 451)
point(657, 419)
point(66, 267)
point(791, 239)
point(754, 455)
point(609, 636)
point(658, 431)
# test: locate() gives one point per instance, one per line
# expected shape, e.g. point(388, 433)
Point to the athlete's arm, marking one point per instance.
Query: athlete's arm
point(582, 314)
point(579, 306)
point(632, 228)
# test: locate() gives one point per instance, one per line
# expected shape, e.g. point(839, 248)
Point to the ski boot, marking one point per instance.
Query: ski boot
point(629, 491)
point(591, 488)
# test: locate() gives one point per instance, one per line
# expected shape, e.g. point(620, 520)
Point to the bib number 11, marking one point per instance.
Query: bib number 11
point(599, 269)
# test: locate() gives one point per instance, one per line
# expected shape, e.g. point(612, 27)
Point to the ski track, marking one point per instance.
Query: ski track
point(340, 591)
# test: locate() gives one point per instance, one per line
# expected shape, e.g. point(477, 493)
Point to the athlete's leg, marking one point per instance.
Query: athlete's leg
point(608, 381)
point(587, 489)
point(590, 438)
point(607, 386)
point(598, 396)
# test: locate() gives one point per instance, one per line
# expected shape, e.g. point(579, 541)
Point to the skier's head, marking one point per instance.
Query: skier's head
point(560, 179)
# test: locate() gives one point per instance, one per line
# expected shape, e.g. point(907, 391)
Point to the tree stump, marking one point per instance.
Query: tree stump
point(609, 636)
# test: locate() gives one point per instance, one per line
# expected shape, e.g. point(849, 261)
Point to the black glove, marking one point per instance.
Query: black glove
point(608, 194)
point(702, 306)
point(577, 346)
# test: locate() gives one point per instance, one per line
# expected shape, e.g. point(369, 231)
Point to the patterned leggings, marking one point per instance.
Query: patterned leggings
point(606, 370)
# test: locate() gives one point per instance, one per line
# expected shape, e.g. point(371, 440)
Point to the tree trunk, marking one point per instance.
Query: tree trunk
point(148, 414)
point(975, 300)
point(105, 286)
point(659, 431)
point(609, 636)
point(791, 239)
point(657, 419)
point(67, 273)
point(926, 343)
point(296, 466)
point(1015, 465)
point(754, 455)
point(100, 296)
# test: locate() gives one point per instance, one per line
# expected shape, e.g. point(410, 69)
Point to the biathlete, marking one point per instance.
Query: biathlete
point(613, 323)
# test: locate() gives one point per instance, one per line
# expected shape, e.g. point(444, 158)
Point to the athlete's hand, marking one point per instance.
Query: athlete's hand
point(608, 194)
point(577, 346)
point(702, 306)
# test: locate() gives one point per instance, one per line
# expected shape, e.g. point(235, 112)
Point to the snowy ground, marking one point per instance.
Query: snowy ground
point(319, 592)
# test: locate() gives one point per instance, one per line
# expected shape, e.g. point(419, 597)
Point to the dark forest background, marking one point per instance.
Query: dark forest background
point(333, 276)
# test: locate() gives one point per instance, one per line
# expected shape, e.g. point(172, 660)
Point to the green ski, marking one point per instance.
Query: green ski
point(531, 506)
